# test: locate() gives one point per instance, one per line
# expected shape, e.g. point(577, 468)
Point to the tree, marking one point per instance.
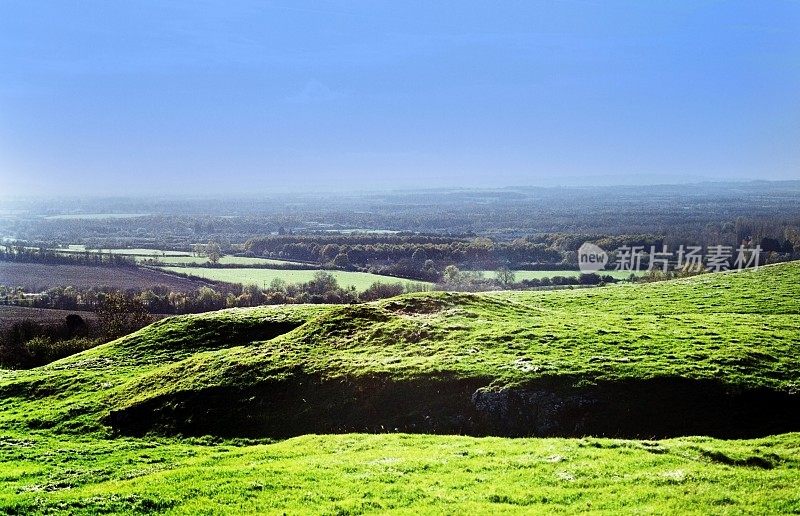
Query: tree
point(341, 261)
point(505, 276)
point(381, 291)
point(76, 326)
point(590, 279)
point(277, 285)
point(452, 275)
point(329, 252)
point(118, 315)
point(213, 252)
point(208, 299)
point(322, 283)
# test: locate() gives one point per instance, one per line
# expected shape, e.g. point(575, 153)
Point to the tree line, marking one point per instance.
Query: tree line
point(24, 254)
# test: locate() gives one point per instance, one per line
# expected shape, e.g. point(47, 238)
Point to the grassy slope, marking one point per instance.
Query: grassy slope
point(739, 326)
point(742, 327)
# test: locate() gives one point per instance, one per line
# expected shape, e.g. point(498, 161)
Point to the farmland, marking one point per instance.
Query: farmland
point(261, 277)
point(10, 314)
point(337, 258)
point(713, 355)
point(35, 277)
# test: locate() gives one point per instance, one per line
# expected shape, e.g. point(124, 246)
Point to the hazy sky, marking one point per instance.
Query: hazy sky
point(230, 96)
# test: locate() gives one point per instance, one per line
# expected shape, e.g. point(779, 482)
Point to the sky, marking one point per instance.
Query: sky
point(143, 97)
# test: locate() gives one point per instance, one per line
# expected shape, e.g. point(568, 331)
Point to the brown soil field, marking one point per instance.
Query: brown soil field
point(10, 314)
point(35, 277)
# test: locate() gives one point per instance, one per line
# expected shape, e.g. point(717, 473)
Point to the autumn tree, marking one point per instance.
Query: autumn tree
point(118, 315)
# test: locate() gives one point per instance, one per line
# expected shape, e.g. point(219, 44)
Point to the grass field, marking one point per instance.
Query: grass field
point(261, 277)
point(399, 474)
point(530, 275)
point(197, 390)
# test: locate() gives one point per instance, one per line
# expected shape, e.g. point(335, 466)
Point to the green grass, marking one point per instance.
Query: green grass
point(58, 454)
point(400, 474)
point(251, 276)
point(531, 275)
point(697, 328)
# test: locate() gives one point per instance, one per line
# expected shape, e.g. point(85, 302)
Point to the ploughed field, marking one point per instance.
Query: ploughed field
point(10, 314)
point(410, 405)
point(34, 277)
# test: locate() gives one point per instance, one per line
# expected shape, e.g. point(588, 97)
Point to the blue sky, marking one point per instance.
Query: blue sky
point(149, 96)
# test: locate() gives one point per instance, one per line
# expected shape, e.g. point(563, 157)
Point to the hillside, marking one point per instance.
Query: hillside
point(716, 339)
point(713, 355)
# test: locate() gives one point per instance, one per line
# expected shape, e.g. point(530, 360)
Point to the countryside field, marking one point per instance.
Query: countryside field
point(263, 277)
point(10, 314)
point(327, 258)
point(263, 271)
point(35, 277)
point(181, 416)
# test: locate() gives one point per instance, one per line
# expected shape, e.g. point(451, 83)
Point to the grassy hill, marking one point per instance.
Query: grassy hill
point(714, 355)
